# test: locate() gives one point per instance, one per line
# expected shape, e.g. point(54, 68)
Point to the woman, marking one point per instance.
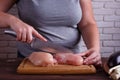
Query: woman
point(59, 21)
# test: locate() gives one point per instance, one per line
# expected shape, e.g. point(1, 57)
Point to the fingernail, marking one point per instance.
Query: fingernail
point(45, 40)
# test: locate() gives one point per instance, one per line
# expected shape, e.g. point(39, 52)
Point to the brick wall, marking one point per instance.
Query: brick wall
point(7, 43)
point(107, 15)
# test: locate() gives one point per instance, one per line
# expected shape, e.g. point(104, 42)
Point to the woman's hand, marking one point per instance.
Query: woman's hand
point(91, 56)
point(90, 34)
point(24, 31)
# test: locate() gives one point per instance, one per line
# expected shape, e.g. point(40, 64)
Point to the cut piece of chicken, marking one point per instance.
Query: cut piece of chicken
point(42, 59)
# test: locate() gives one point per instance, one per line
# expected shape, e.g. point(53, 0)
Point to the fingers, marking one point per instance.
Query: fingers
point(19, 35)
point(25, 32)
point(26, 35)
point(36, 34)
point(90, 58)
point(93, 57)
point(29, 36)
point(95, 61)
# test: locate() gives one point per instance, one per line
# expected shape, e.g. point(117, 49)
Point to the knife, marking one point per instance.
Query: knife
point(48, 46)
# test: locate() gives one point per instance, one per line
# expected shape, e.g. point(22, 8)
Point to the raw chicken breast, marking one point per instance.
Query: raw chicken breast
point(42, 59)
point(69, 58)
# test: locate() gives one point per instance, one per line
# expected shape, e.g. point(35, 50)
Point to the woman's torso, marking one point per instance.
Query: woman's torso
point(54, 19)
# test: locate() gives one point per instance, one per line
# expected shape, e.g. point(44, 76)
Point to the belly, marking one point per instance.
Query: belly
point(64, 35)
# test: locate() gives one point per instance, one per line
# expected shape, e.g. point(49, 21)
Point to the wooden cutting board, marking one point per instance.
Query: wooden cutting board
point(26, 67)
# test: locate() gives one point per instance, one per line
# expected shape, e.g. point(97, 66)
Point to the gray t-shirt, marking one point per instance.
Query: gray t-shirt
point(56, 20)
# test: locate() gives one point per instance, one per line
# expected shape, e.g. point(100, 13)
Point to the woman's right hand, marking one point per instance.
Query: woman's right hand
point(24, 31)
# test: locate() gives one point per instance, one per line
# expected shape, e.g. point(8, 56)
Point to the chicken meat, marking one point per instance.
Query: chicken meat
point(69, 58)
point(42, 59)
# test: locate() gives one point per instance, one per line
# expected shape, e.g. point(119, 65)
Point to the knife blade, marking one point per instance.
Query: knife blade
point(48, 46)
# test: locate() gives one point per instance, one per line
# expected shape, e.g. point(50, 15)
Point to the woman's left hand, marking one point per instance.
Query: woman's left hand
point(91, 56)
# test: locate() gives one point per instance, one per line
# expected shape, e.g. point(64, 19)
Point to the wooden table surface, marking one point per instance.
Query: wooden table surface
point(8, 72)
